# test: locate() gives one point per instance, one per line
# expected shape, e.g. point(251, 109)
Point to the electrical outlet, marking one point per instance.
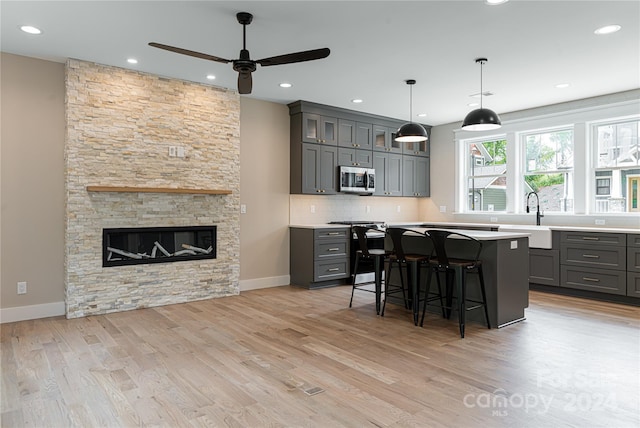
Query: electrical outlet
point(398, 208)
point(600, 222)
point(368, 209)
point(494, 219)
point(443, 208)
point(180, 152)
point(243, 208)
point(172, 151)
point(22, 287)
point(313, 209)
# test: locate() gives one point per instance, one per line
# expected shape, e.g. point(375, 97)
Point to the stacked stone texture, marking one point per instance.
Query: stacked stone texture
point(120, 125)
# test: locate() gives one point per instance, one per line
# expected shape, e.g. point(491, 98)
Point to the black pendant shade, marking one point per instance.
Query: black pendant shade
point(481, 119)
point(411, 132)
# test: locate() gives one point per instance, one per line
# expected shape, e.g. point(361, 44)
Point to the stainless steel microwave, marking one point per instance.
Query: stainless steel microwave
point(357, 180)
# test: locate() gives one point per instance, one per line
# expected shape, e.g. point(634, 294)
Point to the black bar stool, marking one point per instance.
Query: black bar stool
point(412, 264)
point(378, 256)
point(456, 270)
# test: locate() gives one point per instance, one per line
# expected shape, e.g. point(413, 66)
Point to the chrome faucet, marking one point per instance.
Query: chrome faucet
point(538, 215)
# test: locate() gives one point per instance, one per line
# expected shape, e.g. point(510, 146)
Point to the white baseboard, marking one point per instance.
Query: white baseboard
point(273, 281)
point(22, 313)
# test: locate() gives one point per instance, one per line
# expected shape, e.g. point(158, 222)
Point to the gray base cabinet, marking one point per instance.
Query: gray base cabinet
point(594, 261)
point(598, 262)
point(544, 267)
point(319, 257)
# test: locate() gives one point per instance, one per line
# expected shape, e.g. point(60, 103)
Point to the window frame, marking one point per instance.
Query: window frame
point(581, 115)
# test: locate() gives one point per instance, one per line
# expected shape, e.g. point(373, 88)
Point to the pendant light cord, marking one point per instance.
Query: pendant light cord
point(481, 64)
point(410, 103)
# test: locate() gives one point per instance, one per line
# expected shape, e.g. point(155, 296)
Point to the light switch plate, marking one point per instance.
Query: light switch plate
point(243, 208)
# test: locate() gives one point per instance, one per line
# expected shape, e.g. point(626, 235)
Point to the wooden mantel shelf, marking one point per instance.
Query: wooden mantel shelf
point(121, 189)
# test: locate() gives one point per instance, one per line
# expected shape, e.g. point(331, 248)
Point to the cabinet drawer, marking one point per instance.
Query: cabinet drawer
point(595, 256)
point(332, 233)
point(324, 249)
point(633, 284)
point(633, 240)
point(633, 259)
point(330, 269)
point(600, 280)
point(593, 238)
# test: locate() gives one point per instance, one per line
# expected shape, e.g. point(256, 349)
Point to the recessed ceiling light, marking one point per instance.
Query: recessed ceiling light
point(495, 2)
point(211, 76)
point(30, 29)
point(422, 114)
point(132, 61)
point(608, 29)
point(285, 85)
point(356, 101)
point(473, 104)
point(562, 85)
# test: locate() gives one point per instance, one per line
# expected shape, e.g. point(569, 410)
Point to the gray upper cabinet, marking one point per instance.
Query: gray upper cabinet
point(364, 135)
point(415, 176)
point(357, 139)
point(388, 168)
point(416, 149)
point(319, 173)
point(346, 133)
point(384, 139)
point(319, 129)
point(355, 157)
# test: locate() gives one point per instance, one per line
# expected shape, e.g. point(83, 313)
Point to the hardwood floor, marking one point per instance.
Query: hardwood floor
point(289, 357)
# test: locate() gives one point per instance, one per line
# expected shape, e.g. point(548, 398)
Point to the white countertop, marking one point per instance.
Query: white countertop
point(494, 225)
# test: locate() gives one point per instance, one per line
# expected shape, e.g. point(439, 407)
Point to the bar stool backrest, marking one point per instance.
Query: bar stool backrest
point(361, 233)
point(440, 238)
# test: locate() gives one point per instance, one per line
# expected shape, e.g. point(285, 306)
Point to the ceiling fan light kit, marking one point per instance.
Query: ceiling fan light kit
point(482, 119)
point(411, 132)
point(244, 65)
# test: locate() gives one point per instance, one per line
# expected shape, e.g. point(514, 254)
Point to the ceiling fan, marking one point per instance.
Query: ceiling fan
point(245, 65)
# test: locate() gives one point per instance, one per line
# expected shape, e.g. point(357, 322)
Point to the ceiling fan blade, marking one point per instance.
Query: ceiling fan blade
point(245, 82)
point(190, 53)
point(295, 57)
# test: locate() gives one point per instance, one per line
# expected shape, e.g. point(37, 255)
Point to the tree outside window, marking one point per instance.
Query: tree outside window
point(549, 168)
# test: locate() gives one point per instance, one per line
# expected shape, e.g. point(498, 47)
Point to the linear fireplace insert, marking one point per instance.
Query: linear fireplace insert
point(130, 246)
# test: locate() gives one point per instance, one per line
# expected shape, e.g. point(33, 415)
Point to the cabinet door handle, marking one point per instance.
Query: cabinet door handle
point(333, 233)
point(590, 279)
point(333, 269)
point(590, 238)
point(333, 249)
point(590, 256)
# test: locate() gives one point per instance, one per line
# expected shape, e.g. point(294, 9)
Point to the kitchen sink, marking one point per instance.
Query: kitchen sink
point(539, 236)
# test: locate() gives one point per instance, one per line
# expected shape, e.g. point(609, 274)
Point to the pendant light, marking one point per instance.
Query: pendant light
point(481, 119)
point(411, 132)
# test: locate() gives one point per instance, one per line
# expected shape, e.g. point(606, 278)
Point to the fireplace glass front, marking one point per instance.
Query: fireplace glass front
point(130, 246)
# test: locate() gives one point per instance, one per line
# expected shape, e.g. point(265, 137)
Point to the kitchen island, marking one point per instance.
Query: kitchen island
point(505, 257)
point(505, 261)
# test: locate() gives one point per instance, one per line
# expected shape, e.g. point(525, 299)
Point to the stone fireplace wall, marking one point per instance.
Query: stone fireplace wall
point(120, 125)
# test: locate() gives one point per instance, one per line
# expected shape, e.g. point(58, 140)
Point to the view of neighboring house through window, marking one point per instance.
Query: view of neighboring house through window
point(486, 175)
point(617, 167)
point(548, 168)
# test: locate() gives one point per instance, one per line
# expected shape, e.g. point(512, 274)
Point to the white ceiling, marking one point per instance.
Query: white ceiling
point(375, 46)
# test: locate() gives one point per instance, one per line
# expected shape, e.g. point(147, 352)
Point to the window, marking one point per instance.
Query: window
point(618, 157)
point(548, 168)
point(486, 175)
